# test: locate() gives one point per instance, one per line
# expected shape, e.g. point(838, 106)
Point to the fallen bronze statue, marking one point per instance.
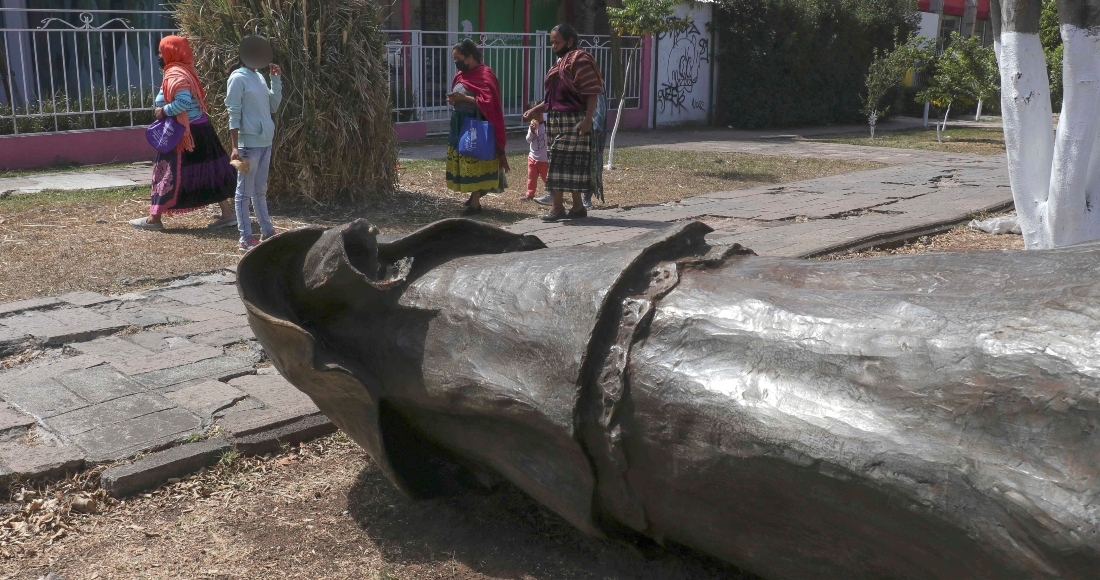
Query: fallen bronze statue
point(927, 416)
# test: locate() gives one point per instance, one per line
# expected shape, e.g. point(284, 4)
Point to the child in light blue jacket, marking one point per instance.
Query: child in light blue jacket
point(251, 104)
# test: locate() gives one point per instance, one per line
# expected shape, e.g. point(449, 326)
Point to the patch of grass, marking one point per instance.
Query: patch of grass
point(958, 140)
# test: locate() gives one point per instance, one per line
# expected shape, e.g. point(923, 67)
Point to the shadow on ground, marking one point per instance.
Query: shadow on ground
point(400, 211)
point(505, 534)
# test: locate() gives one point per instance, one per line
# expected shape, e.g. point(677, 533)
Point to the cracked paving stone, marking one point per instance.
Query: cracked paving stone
point(28, 304)
point(103, 415)
point(132, 436)
point(13, 423)
point(208, 369)
point(206, 399)
point(43, 398)
point(276, 392)
point(32, 461)
point(57, 327)
point(100, 383)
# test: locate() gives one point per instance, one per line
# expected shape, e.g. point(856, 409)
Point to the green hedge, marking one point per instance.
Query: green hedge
point(801, 62)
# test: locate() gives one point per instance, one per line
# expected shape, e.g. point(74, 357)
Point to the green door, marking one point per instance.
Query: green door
point(506, 16)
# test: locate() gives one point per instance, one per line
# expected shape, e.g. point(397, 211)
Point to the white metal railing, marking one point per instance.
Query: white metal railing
point(78, 69)
point(421, 68)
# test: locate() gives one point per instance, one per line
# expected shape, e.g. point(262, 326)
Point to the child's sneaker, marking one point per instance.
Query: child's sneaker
point(248, 244)
point(266, 237)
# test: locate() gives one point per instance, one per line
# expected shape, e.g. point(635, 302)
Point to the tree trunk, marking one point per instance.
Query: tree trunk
point(618, 119)
point(1072, 212)
point(978, 115)
point(1055, 183)
point(943, 127)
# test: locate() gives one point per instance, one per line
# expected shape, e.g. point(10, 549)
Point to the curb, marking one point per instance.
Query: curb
point(904, 235)
point(156, 468)
point(304, 429)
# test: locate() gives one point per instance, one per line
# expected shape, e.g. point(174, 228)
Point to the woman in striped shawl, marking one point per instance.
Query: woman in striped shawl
point(572, 90)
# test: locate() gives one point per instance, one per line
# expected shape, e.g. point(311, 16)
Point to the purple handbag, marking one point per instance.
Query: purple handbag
point(164, 134)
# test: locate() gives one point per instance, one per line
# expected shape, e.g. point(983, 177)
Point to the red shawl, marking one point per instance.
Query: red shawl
point(483, 85)
point(179, 75)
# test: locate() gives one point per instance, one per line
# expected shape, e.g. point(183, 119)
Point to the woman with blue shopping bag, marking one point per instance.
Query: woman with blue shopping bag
point(476, 163)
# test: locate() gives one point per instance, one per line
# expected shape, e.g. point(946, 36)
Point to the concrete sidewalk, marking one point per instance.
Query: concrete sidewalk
point(815, 216)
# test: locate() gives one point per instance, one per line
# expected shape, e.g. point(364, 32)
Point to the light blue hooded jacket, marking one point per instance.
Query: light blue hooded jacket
point(251, 105)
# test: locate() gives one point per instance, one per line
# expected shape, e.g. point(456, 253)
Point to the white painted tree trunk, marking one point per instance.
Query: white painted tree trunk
point(1073, 213)
point(1029, 133)
point(618, 118)
point(978, 115)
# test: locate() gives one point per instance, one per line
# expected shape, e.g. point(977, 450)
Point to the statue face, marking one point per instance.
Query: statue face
point(255, 52)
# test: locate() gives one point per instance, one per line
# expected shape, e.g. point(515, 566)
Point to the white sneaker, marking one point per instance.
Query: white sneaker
point(143, 223)
point(545, 200)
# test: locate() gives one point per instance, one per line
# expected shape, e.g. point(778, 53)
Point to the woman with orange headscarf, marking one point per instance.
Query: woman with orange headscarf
point(197, 173)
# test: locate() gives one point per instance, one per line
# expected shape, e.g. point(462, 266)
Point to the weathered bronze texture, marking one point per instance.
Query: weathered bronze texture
point(928, 416)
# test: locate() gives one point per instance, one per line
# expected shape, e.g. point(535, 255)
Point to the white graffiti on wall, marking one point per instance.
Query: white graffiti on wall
point(687, 60)
point(683, 74)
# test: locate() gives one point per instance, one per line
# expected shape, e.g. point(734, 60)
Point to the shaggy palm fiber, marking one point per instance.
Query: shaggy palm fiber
point(334, 137)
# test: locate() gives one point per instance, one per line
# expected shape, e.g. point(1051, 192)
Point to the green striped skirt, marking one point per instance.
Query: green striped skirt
point(469, 174)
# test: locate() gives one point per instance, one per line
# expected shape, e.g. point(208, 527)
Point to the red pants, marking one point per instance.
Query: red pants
point(535, 170)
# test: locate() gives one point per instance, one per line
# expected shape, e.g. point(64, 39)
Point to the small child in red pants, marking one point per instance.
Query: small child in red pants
point(538, 160)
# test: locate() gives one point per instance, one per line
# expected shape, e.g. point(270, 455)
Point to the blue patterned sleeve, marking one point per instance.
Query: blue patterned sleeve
point(181, 103)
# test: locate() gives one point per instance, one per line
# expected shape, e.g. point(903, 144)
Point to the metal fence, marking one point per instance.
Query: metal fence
point(89, 69)
point(421, 68)
point(78, 69)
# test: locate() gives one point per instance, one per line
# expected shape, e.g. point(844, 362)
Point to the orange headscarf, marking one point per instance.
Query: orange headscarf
point(180, 75)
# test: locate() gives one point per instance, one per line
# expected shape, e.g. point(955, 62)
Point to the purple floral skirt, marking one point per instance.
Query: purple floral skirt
point(184, 181)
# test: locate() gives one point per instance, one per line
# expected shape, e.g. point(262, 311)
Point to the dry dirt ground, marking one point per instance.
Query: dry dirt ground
point(320, 510)
point(56, 241)
point(960, 239)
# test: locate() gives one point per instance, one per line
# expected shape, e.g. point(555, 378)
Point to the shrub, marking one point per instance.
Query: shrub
point(334, 137)
point(801, 62)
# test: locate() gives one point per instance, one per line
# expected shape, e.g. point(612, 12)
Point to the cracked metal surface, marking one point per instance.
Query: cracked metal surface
point(927, 416)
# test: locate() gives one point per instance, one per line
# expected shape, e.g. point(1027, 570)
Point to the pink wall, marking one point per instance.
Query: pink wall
point(410, 131)
point(638, 118)
point(84, 147)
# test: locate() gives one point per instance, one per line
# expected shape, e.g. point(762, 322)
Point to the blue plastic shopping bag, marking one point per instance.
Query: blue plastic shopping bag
point(477, 139)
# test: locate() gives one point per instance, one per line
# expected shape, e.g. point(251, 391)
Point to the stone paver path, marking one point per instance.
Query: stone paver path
point(125, 374)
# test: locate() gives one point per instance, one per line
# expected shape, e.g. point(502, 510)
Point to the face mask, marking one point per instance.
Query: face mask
point(462, 66)
point(160, 59)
